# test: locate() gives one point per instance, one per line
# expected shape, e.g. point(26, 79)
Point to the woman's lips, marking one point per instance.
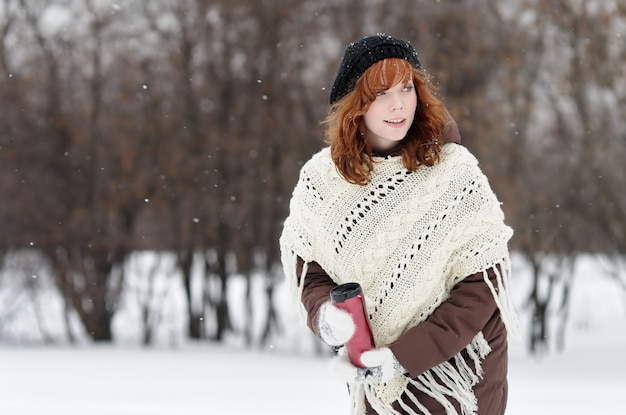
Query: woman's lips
point(396, 122)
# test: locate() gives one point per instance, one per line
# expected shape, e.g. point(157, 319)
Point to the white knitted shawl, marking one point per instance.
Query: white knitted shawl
point(407, 238)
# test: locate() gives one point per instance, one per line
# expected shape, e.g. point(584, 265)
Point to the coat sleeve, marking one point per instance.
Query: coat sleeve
point(317, 287)
point(450, 328)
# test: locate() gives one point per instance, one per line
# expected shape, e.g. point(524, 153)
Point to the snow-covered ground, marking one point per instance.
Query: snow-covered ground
point(589, 378)
point(176, 377)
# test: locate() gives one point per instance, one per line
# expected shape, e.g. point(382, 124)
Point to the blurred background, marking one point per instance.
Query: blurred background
point(148, 150)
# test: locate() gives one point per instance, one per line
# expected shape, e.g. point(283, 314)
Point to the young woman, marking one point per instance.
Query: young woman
point(397, 205)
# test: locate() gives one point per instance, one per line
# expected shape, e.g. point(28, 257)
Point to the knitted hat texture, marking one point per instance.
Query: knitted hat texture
point(362, 54)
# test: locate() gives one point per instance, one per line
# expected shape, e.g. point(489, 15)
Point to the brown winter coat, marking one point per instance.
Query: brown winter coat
point(451, 327)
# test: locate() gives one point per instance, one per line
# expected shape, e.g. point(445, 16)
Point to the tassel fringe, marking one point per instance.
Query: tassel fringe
point(447, 380)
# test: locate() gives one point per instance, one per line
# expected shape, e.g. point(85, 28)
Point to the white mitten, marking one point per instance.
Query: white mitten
point(381, 363)
point(336, 326)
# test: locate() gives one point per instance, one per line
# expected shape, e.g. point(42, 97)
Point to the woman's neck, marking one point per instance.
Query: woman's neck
point(395, 151)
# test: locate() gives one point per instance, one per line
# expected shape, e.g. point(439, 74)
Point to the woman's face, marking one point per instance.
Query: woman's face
point(390, 116)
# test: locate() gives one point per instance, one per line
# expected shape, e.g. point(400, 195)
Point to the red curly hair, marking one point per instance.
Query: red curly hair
point(345, 128)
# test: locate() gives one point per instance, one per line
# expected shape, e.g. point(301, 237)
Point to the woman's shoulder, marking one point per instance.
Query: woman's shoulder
point(319, 161)
point(455, 153)
point(321, 156)
point(461, 165)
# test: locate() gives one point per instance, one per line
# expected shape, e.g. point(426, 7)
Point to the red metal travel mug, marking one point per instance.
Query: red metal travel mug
point(349, 297)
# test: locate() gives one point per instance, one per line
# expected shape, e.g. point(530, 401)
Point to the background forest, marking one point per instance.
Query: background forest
point(176, 128)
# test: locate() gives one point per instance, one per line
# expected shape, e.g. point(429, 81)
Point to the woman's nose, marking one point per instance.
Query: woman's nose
point(396, 102)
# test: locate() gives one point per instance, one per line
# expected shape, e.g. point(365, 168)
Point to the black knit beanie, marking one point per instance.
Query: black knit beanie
point(362, 54)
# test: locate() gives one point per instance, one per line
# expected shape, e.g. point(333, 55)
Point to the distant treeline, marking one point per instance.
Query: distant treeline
point(180, 126)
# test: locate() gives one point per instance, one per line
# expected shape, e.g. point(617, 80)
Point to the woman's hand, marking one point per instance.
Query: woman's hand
point(381, 366)
point(336, 326)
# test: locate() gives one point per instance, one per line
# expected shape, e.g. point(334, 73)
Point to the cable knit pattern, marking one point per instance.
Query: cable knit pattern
point(407, 238)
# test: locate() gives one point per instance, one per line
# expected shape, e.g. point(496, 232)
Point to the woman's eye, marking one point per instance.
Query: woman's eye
point(380, 93)
point(408, 88)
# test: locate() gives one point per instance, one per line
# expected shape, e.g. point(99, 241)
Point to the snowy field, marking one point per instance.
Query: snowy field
point(590, 378)
point(182, 378)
